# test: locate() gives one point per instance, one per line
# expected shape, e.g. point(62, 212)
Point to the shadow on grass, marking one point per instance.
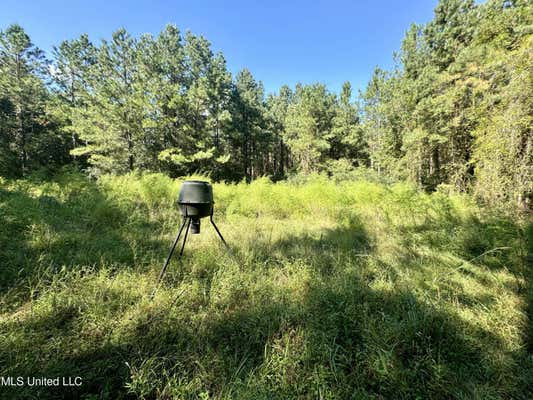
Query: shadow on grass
point(322, 250)
point(495, 242)
point(342, 339)
point(85, 229)
point(528, 365)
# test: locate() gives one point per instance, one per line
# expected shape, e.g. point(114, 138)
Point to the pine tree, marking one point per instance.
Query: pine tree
point(276, 112)
point(309, 124)
point(218, 112)
point(73, 61)
point(163, 73)
point(347, 141)
point(247, 122)
point(113, 121)
point(22, 97)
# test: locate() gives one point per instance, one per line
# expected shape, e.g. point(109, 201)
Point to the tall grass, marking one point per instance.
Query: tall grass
point(331, 291)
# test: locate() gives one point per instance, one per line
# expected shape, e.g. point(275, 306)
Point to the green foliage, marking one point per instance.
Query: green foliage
point(247, 124)
point(27, 129)
point(331, 290)
point(147, 103)
point(348, 141)
point(309, 126)
point(343, 281)
point(452, 111)
point(504, 143)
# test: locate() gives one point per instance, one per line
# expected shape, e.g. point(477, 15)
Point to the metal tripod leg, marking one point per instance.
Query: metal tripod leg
point(162, 273)
point(219, 234)
point(185, 238)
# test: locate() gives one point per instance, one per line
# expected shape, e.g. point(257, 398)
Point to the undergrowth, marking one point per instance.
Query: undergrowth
point(330, 291)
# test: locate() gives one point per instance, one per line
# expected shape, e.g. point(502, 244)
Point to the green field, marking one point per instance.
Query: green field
point(330, 291)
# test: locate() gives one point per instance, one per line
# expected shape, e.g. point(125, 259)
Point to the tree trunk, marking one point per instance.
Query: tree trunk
point(23, 154)
point(20, 122)
point(282, 161)
point(434, 166)
point(217, 143)
point(130, 151)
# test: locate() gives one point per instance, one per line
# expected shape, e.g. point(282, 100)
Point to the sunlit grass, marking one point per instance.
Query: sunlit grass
point(334, 291)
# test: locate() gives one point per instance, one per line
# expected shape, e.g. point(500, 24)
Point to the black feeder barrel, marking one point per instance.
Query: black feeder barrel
point(196, 199)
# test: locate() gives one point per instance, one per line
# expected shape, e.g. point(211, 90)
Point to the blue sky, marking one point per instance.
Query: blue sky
point(279, 41)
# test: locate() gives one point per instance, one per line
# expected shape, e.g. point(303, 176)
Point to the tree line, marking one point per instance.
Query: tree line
point(455, 111)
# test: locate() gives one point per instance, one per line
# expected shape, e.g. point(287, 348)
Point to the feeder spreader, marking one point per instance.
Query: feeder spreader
point(195, 201)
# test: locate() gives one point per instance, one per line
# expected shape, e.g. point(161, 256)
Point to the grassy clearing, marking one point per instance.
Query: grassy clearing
point(354, 290)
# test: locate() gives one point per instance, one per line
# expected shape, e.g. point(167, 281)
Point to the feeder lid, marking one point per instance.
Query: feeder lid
point(196, 192)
